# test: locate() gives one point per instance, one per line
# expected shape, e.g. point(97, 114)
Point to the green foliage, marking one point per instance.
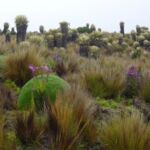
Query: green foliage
point(24, 45)
point(58, 39)
point(136, 44)
point(141, 39)
point(40, 88)
point(12, 86)
point(94, 51)
point(36, 40)
point(136, 53)
point(50, 40)
point(21, 20)
point(96, 38)
point(86, 29)
point(107, 103)
point(83, 39)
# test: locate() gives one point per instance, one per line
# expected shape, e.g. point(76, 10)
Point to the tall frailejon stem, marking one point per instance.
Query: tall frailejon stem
point(21, 25)
point(122, 30)
point(41, 29)
point(64, 27)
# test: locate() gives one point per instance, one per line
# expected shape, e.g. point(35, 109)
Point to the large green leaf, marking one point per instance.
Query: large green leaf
point(40, 87)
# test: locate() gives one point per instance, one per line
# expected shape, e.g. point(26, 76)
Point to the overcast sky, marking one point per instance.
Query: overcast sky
point(105, 14)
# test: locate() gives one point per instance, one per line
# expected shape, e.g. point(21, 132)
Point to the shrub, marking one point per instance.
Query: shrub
point(24, 45)
point(94, 51)
point(107, 103)
point(83, 41)
point(129, 132)
point(136, 53)
point(16, 65)
point(36, 40)
point(50, 41)
point(58, 39)
point(39, 88)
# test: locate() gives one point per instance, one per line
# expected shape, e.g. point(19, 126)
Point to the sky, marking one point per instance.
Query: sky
point(105, 14)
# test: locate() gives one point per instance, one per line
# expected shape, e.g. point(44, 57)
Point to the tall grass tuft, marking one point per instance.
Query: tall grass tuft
point(69, 122)
point(104, 81)
point(129, 132)
point(29, 129)
point(16, 65)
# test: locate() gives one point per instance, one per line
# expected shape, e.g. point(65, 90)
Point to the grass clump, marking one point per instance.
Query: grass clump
point(16, 65)
point(104, 82)
point(128, 132)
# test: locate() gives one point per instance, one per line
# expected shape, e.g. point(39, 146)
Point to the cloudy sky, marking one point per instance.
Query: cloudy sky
point(105, 14)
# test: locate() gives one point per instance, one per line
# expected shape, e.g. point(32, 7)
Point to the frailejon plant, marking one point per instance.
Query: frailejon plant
point(84, 41)
point(133, 80)
point(138, 30)
point(122, 28)
point(50, 40)
point(58, 39)
point(40, 88)
point(21, 25)
point(6, 27)
point(41, 29)
point(64, 27)
point(36, 40)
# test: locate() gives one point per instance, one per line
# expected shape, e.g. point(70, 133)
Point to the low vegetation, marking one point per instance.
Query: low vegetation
point(74, 89)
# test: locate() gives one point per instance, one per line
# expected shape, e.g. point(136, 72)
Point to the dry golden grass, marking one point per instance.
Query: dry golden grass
point(129, 132)
point(29, 128)
point(16, 65)
point(70, 121)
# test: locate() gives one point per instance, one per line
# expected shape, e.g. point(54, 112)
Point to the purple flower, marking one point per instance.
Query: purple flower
point(133, 72)
point(42, 68)
point(45, 69)
point(32, 68)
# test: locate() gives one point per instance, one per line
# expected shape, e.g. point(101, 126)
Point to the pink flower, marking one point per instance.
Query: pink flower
point(32, 68)
point(42, 68)
point(45, 68)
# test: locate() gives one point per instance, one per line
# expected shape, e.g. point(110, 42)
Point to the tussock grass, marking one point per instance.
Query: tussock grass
point(16, 65)
point(129, 132)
